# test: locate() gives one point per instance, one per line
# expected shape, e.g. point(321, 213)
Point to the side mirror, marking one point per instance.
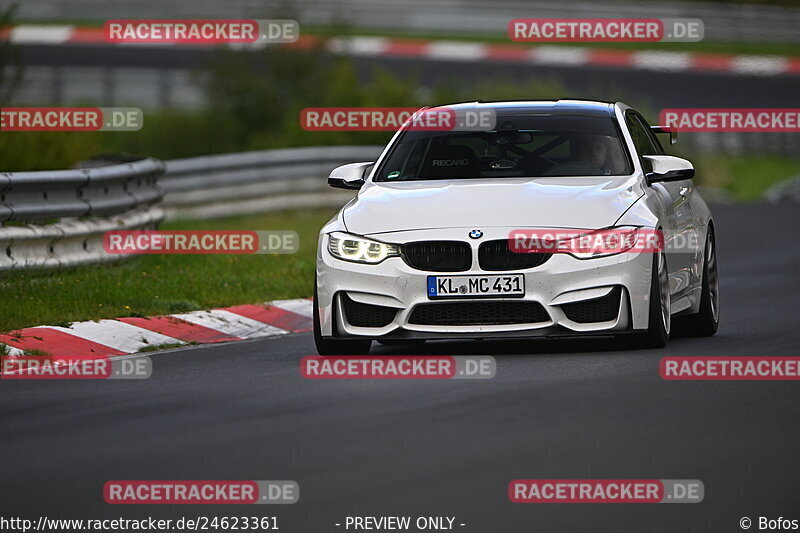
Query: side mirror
point(668, 168)
point(673, 134)
point(350, 176)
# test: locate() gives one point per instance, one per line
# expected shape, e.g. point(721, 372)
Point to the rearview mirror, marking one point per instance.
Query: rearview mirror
point(351, 176)
point(673, 134)
point(668, 168)
point(504, 138)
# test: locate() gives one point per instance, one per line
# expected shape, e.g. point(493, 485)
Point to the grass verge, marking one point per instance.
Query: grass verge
point(161, 284)
point(746, 177)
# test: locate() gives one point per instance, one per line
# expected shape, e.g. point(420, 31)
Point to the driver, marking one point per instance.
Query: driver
point(593, 150)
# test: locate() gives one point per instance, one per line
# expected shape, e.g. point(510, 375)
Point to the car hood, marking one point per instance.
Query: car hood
point(572, 202)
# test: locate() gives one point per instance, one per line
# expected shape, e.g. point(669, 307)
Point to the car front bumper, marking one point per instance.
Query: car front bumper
point(561, 280)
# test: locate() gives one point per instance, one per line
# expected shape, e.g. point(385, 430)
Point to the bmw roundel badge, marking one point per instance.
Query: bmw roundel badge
point(475, 234)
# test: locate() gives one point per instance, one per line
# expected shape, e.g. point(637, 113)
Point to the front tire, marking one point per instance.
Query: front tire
point(331, 346)
point(705, 322)
point(660, 315)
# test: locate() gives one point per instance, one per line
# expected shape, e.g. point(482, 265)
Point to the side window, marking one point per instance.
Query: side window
point(653, 139)
point(642, 139)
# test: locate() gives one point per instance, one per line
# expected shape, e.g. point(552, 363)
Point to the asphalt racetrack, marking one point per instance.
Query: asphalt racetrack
point(555, 409)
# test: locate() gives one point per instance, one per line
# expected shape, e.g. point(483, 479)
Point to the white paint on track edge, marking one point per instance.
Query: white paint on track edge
point(231, 323)
point(118, 335)
point(129, 338)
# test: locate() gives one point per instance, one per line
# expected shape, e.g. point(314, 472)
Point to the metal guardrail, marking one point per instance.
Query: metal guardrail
point(255, 182)
point(40, 196)
point(73, 209)
point(83, 204)
point(784, 191)
point(69, 242)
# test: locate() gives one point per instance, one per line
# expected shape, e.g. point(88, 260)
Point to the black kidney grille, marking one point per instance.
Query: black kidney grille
point(367, 315)
point(437, 256)
point(495, 256)
point(602, 309)
point(478, 313)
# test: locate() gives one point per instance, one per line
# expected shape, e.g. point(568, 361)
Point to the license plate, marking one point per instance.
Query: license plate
point(511, 285)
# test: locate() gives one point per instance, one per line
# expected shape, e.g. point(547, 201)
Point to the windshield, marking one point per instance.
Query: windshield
point(521, 146)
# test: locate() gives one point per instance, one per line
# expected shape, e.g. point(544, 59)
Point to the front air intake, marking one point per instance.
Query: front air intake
point(602, 309)
point(478, 313)
point(366, 315)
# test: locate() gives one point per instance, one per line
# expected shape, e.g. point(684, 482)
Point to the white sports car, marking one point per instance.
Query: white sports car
point(424, 251)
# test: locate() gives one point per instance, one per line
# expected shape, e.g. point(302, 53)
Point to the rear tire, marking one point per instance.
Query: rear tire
point(660, 317)
point(705, 322)
point(331, 346)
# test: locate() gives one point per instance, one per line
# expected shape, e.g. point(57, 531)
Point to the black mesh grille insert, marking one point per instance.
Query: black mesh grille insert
point(599, 310)
point(437, 256)
point(478, 313)
point(495, 256)
point(367, 315)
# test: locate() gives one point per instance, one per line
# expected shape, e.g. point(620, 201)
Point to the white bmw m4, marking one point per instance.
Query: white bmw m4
point(425, 251)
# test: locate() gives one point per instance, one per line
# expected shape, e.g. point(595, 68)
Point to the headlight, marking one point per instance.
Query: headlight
point(359, 249)
point(602, 242)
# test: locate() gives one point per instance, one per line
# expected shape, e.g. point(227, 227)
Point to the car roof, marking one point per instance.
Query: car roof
point(550, 107)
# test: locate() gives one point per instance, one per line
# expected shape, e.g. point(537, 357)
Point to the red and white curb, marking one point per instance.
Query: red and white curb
point(105, 338)
point(569, 56)
point(545, 55)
